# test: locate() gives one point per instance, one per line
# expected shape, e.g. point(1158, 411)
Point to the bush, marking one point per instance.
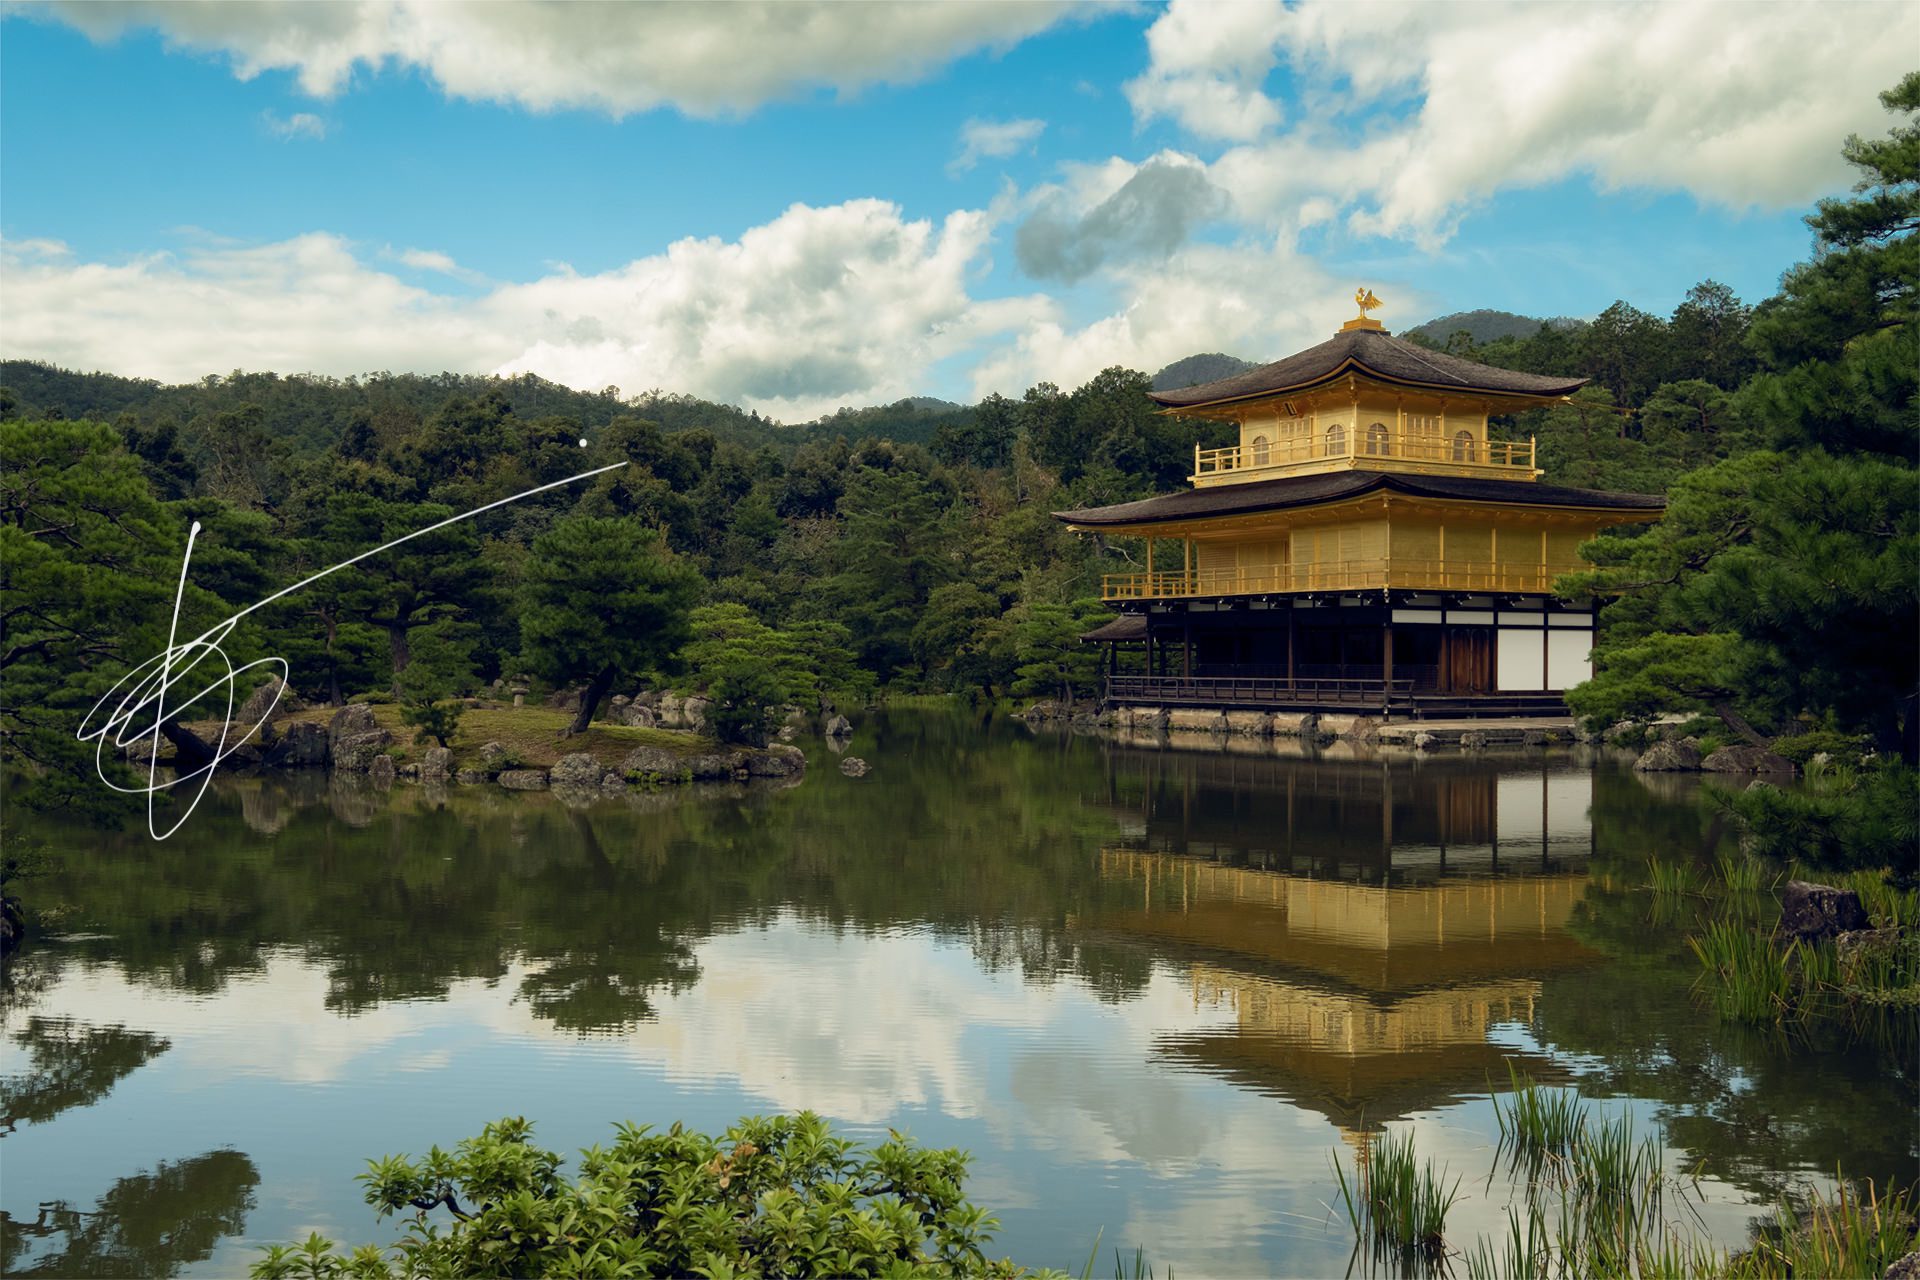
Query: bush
point(772, 1196)
point(1842, 819)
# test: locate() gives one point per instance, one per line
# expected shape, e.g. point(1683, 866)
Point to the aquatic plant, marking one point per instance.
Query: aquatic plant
point(1745, 974)
point(1671, 879)
point(1745, 874)
point(1396, 1202)
point(1858, 1232)
point(1537, 1121)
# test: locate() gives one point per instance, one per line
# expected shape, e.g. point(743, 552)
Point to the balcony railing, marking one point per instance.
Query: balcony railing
point(1337, 575)
point(1367, 446)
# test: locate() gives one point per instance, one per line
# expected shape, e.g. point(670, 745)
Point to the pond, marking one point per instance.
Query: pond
point(1155, 992)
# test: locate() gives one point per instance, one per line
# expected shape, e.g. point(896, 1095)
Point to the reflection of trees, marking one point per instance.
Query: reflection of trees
point(148, 1224)
point(73, 1065)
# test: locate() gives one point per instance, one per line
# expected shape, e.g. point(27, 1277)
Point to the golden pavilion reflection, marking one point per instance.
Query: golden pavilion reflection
point(1378, 932)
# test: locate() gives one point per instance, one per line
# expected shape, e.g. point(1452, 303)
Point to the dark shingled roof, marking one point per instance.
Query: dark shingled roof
point(1307, 491)
point(1367, 351)
point(1128, 626)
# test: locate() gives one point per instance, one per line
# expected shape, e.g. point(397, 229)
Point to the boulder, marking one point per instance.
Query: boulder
point(1045, 709)
point(381, 769)
point(1473, 740)
point(470, 777)
point(654, 760)
point(304, 745)
point(493, 757)
point(669, 712)
point(1424, 741)
point(1358, 728)
point(787, 733)
point(777, 761)
point(436, 764)
point(855, 767)
point(267, 704)
point(576, 770)
point(410, 771)
point(1669, 755)
point(523, 779)
point(1746, 759)
point(1811, 912)
point(714, 766)
point(839, 727)
point(636, 716)
point(1907, 1268)
point(1859, 944)
point(350, 721)
point(693, 713)
point(1535, 738)
point(355, 752)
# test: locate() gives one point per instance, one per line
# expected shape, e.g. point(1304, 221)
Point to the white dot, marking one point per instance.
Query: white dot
point(583, 442)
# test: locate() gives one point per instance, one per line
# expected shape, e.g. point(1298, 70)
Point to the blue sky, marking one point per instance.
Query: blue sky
point(780, 207)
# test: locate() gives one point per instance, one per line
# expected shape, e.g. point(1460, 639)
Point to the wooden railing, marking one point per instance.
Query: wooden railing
point(1297, 453)
point(1337, 575)
point(1261, 690)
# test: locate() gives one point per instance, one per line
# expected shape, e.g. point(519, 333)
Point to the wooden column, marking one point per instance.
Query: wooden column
point(1186, 648)
point(1386, 661)
point(1291, 637)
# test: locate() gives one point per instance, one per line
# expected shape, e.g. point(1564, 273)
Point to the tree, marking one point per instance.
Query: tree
point(776, 1196)
point(746, 668)
point(603, 599)
point(1052, 658)
point(416, 584)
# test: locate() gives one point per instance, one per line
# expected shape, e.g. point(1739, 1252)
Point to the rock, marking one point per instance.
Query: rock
point(349, 721)
point(1669, 755)
point(563, 699)
point(787, 733)
point(839, 727)
point(355, 753)
point(470, 777)
point(776, 762)
point(1358, 728)
point(381, 770)
point(854, 767)
point(493, 757)
point(1535, 738)
point(436, 764)
point(523, 779)
point(1473, 740)
point(714, 766)
point(1907, 1268)
point(303, 745)
point(13, 925)
point(693, 713)
point(654, 760)
point(669, 714)
point(1856, 944)
point(267, 704)
point(1812, 912)
point(576, 770)
point(1288, 724)
point(1747, 759)
point(635, 715)
point(410, 771)
point(1423, 741)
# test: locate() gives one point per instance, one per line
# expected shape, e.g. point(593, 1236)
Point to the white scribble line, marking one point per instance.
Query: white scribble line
point(148, 684)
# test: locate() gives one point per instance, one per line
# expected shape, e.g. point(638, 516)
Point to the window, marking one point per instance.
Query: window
point(1336, 440)
point(1422, 424)
point(1463, 446)
point(1378, 441)
point(1259, 451)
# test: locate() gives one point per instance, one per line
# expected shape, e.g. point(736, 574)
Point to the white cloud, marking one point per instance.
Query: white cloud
point(1411, 112)
point(985, 139)
point(1148, 215)
point(439, 263)
point(703, 59)
point(818, 308)
point(301, 124)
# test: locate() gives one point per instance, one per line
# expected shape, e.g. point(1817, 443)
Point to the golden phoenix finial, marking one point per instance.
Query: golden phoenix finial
point(1366, 301)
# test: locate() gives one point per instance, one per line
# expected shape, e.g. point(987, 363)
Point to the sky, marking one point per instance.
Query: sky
point(799, 206)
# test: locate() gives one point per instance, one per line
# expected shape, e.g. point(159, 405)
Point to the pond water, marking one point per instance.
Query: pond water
point(1154, 992)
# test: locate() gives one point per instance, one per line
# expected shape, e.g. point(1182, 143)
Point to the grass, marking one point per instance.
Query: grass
point(1856, 1233)
point(1396, 1203)
point(1744, 973)
point(1671, 879)
point(1745, 874)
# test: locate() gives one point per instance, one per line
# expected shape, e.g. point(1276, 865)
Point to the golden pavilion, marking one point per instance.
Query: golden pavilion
point(1366, 543)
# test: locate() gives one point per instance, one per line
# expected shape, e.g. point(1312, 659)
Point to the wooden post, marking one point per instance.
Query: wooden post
point(1186, 648)
point(1386, 665)
point(1291, 609)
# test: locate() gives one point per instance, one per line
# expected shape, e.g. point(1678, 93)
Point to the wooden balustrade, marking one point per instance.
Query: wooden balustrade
point(1337, 575)
point(1281, 456)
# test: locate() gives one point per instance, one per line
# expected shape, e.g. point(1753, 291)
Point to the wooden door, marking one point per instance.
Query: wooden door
point(1469, 661)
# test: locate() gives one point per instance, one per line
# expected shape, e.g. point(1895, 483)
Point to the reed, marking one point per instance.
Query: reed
point(1742, 873)
point(1396, 1202)
point(1671, 879)
point(1858, 1232)
point(1746, 975)
point(1537, 1121)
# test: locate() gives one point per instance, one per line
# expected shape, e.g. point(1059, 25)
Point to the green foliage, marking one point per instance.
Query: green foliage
point(777, 1196)
point(1842, 818)
point(441, 671)
point(1052, 659)
point(1396, 1203)
point(603, 600)
point(748, 669)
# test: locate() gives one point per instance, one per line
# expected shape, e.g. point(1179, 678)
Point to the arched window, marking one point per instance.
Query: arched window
point(1463, 446)
point(1259, 451)
point(1336, 440)
point(1377, 439)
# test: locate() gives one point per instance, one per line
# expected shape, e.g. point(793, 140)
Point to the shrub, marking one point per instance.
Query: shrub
point(772, 1196)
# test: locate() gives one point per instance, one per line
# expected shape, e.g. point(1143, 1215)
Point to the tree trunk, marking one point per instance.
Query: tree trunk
point(590, 701)
point(333, 665)
point(1738, 723)
point(189, 750)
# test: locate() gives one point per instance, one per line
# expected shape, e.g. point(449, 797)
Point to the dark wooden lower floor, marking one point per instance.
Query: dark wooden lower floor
point(1351, 694)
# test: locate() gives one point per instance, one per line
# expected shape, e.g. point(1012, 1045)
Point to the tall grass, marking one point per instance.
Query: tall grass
point(1746, 975)
point(1856, 1233)
point(1742, 873)
point(1396, 1203)
point(1539, 1122)
point(1671, 879)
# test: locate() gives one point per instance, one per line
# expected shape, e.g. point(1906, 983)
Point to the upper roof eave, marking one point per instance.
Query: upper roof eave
point(1351, 365)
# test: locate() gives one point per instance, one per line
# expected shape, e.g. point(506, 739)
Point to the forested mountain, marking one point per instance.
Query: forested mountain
point(1194, 370)
point(1482, 327)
